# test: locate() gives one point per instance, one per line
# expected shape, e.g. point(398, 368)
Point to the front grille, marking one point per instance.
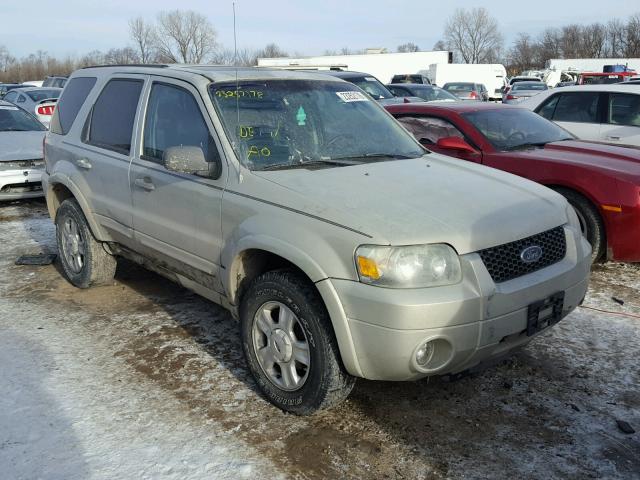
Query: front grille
point(504, 262)
point(20, 164)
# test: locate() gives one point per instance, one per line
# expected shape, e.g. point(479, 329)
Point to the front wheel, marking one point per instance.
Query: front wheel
point(591, 223)
point(289, 344)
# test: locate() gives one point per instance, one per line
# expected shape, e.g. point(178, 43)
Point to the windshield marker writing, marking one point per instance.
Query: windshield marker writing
point(301, 116)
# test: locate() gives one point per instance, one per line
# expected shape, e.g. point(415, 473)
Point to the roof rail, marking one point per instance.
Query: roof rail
point(150, 65)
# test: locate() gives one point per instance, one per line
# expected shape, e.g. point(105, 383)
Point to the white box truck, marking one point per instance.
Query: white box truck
point(492, 75)
point(380, 65)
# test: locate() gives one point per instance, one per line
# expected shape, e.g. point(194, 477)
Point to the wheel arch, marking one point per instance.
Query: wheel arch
point(257, 255)
point(61, 188)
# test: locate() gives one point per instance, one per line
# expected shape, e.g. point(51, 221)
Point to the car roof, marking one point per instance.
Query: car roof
point(412, 85)
point(214, 73)
point(458, 107)
point(611, 87)
point(346, 73)
point(34, 89)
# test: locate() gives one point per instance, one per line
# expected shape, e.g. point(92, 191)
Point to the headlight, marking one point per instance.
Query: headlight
point(412, 266)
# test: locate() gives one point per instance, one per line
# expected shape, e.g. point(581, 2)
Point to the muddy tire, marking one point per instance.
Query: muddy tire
point(84, 260)
point(590, 222)
point(289, 344)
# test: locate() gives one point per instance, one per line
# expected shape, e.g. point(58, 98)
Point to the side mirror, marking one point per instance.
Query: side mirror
point(455, 143)
point(186, 160)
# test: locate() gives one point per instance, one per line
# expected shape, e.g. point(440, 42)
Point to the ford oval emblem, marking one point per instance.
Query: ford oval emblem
point(531, 254)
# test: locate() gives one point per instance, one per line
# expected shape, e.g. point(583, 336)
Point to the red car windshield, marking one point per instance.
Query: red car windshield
point(513, 129)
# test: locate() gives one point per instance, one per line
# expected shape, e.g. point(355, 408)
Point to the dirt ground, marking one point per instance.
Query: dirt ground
point(143, 379)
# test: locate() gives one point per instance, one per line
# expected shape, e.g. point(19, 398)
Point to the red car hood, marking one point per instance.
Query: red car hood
point(624, 161)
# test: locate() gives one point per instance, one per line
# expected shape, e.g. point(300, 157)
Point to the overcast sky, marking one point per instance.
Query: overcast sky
point(75, 27)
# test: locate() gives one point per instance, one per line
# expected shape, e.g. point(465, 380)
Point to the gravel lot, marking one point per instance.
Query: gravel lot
point(143, 379)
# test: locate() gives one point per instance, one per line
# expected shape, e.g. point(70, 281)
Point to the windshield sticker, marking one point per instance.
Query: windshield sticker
point(246, 132)
point(352, 96)
point(239, 94)
point(8, 107)
point(259, 152)
point(301, 116)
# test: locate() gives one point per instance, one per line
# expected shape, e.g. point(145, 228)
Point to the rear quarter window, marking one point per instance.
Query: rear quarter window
point(112, 117)
point(72, 99)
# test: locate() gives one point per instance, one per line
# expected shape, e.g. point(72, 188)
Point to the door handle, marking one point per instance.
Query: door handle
point(83, 163)
point(145, 183)
point(613, 137)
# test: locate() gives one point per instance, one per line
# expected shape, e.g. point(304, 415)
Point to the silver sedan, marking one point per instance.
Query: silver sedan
point(37, 101)
point(522, 90)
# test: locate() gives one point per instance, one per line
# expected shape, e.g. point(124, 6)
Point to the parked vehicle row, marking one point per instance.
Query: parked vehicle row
point(345, 248)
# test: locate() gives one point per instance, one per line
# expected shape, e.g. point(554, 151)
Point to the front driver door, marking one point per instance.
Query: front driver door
point(177, 217)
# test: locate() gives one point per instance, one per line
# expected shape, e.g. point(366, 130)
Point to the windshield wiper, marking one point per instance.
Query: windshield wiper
point(323, 161)
point(524, 146)
point(394, 156)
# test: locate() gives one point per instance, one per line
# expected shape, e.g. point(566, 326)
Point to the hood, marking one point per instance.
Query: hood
point(20, 145)
point(433, 199)
point(620, 161)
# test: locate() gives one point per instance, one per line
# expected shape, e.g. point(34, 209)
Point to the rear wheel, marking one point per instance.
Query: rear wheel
point(289, 344)
point(591, 223)
point(84, 260)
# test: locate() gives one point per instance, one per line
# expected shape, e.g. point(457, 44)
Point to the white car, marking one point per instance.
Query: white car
point(603, 113)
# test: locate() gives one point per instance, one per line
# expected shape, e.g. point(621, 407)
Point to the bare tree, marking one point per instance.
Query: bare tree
point(6, 59)
point(184, 37)
point(440, 45)
point(615, 38)
point(121, 56)
point(473, 35)
point(523, 54)
point(549, 46)
point(143, 35)
point(242, 58)
point(632, 37)
point(408, 47)
point(594, 39)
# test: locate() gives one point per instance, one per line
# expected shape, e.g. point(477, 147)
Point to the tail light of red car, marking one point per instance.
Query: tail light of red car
point(473, 94)
point(45, 110)
point(511, 97)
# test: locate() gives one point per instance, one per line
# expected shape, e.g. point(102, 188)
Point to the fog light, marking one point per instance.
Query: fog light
point(425, 353)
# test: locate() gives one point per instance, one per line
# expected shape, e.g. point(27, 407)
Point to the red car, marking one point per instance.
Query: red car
point(602, 182)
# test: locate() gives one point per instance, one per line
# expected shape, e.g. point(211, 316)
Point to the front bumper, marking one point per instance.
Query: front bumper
point(471, 322)
point(20, 184)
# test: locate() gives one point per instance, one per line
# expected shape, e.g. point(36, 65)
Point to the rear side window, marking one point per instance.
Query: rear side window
point(624, 109)
point(577, 107)
point(113, 114)
point(70, 103)
point(428, 130)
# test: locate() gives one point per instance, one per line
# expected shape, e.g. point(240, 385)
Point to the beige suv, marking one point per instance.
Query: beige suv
point(344, 248)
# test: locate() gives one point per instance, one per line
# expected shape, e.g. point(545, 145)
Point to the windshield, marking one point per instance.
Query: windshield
point(13, 119)
point(459, 87)
point(511, 129)
point(288, 123)
point(372, 86)
point(433, 94)
point(39, 95)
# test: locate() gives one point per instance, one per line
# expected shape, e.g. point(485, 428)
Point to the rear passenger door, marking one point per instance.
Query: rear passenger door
point(578, 112)
point(622, 119)
point(177, 217)
point(105, 154)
